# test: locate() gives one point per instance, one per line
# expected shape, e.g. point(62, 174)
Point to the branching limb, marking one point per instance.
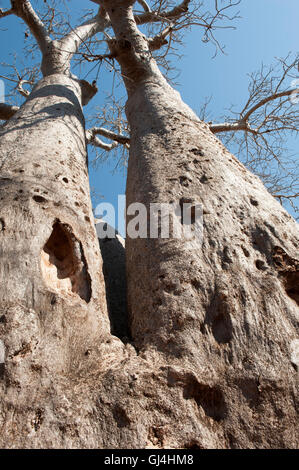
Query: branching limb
point(160, 40)
point(231, 127)
point(156, 16)
point(91, 137)
point(100, 57)
point(96, 142)
point(144, 5)
point(19, 80)
point(22, 90)
point(7, 111)
point(24, 10)
point(265, 101)
point(6, 13)
point(268, 109)
point(79, 35)
point(259, 134)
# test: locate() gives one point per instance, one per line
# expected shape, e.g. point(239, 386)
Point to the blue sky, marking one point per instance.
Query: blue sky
point(266, 29)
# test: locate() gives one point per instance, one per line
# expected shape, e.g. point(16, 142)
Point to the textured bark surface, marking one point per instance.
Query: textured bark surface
point(52, 294)
point(227, 309)
point(223, 314)
point(214, 357)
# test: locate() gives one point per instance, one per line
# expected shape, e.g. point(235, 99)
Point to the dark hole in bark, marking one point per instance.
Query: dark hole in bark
point(39, 199)
point(222, 328)
point(63, 263)
point(2, 225)
point(260, 265)
point(288, 269)
point(120, 416)
point(2, 370)
point(291, 282)
point(245, 251)
point(204, 179)
point(210, 398)
point(218, 318)
point(197, 152)
point(193, 444)
point(65, 180)
point(254, 202)
point(184, 181)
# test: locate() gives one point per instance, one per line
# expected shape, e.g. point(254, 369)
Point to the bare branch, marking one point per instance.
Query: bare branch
point(144, 5)
point(231, 127)
point(24, 10)
point(7, 111)
point(265, 101)
point(117, 138)
point(100, 57)
point(22, 90)
point(96, 142)
point(259, 134)
point(72, 41)
point(6, 13)
point(160, 40)
point(154, 16)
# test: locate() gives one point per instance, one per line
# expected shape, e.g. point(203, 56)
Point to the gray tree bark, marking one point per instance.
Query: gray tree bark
point(52, 293)
point(225, 312)
point(214, 357)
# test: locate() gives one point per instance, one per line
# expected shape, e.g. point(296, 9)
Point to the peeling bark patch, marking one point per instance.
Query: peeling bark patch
point(288, 269)
point(63, 263)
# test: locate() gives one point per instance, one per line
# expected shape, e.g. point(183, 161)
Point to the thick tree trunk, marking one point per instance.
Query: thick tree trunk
point(223, 312)
point(53, 315)
point(214, 360)
point(229, 307)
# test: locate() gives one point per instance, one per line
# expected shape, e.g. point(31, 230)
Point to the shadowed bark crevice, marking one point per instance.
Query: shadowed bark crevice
point(288, 269)
point(114, 270)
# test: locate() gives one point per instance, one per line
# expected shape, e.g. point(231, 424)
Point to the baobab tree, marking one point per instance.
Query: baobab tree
point(212, 360)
